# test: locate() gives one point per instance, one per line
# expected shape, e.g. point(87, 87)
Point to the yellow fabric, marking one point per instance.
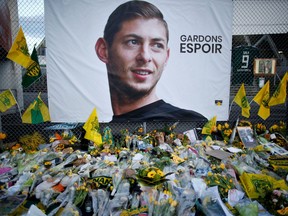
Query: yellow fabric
point(279, 96)
point(7, 100)
point(91, 127)
point(242, 101)
point(19, 52)
point(262, 99)
point(208, 127)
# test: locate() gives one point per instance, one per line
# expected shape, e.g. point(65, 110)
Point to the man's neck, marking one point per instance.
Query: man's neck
point(122, 105)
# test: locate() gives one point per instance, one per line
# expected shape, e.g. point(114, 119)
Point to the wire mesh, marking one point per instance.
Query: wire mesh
point(261, 44)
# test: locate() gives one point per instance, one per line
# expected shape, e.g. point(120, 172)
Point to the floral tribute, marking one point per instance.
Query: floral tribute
point(151, 176)
point(139, 172)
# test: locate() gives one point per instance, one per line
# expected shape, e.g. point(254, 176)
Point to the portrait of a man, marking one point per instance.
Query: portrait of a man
point(135, 51)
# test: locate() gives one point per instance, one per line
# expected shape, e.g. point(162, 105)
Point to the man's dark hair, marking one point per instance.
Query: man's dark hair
point(131, 10)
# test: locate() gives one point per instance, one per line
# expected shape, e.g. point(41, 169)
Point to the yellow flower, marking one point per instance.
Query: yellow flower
point(36, 166)
point(2, 136)
point(228, 132)
point(209, 173)
point(159, 172)
point(226, 125)
point(151, 174)
point(127, 138)
point(174, 203)
point(111, 163)
point(167, 192)
point(47, 163)
point(222, 166)
point(219, 127)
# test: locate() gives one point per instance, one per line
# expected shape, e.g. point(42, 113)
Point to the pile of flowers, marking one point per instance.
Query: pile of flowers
point(160, 172)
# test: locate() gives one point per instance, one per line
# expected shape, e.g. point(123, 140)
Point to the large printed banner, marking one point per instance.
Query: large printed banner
point(197, 76)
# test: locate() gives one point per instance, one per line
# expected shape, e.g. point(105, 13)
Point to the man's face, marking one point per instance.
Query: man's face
point(137, 57)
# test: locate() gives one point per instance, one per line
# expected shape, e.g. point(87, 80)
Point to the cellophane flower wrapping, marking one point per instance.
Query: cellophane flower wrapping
point(70, 208)
point(121, 198)
point(211, 204)
point(247, 208)
point(185, 197)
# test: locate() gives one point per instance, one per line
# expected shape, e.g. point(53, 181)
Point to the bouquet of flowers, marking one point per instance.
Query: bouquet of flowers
point(224, 183)
point(276, 201)
point(31, 142)
point(280, 128)
point(151, 176)
point(165, 205)
point(243, 123)
point(225, 131)
point(66, 137)
point(259, 128)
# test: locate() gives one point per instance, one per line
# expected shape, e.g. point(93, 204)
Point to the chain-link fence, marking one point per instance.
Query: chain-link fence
point(254, 36)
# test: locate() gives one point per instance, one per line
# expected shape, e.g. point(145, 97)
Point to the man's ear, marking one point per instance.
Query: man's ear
point(102, 50)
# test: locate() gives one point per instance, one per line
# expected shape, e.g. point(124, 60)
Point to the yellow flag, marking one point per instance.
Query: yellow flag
point(279, 96)
point(91, 127)
point(209, 126)
point(262, 99)
point(242, 101)
point(7, 100)
point(36, 113)
point(19, 52)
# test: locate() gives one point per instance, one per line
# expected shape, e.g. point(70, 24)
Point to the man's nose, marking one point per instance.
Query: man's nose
point(144, 54)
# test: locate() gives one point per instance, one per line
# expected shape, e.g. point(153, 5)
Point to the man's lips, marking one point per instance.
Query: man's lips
point(142, 72)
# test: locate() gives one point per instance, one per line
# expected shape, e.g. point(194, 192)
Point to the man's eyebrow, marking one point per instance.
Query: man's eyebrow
point(136, 36)
point(133, 36)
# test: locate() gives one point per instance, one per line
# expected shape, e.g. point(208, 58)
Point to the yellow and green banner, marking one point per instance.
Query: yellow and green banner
point(279, 96)
point(7, 100)
point(262, 99)
point(242, 101)
point(33, 72)
point(36, 113)
point(91, 127)
point(19, 52)
point(209, 126)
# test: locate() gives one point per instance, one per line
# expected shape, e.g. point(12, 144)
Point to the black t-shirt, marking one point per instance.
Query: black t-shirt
point(159, 111)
